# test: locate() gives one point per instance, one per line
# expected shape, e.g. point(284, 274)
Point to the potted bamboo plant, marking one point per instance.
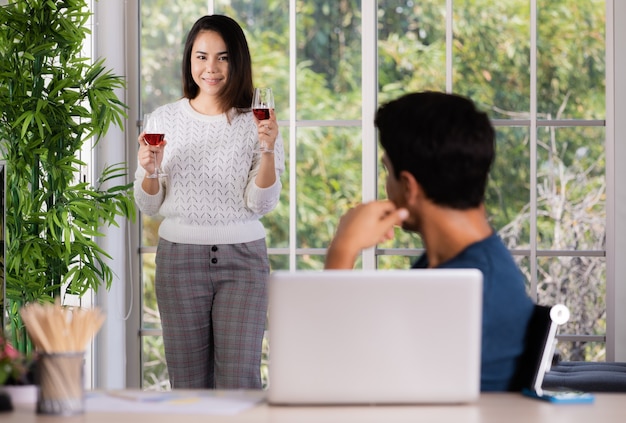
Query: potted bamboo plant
point(55, 103)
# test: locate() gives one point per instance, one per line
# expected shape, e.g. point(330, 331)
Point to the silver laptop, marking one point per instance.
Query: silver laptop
point(375, 337)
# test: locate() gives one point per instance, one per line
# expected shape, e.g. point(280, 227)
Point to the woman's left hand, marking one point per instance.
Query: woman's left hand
point(268, 131)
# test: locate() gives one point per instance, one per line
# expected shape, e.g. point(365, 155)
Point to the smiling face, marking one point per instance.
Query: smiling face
point(209, 63)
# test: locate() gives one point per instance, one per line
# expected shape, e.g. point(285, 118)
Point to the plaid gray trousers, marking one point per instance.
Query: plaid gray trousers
point(213, 305)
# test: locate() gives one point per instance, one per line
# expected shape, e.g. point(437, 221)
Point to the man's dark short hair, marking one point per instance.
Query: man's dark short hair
point(444, 141)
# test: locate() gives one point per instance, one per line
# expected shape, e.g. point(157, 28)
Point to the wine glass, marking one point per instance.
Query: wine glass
point(154, 134)
point(262, 102)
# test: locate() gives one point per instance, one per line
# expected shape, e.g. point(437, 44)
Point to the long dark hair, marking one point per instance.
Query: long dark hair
point(237, 93)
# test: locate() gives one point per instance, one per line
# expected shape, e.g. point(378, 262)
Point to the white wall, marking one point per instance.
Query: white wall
point(616, 174)
point(110, 350)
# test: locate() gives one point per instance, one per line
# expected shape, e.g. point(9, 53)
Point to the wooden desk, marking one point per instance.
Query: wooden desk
point(496, 408)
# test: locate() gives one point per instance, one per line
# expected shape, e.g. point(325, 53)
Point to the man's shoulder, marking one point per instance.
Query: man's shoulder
point(477, 255)
point(492, 244)
point(490, 253)
point(480, 252)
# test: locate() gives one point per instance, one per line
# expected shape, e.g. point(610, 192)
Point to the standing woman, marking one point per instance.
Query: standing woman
point(211, 262)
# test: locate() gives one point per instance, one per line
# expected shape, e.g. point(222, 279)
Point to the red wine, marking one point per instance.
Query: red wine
point(261, 114)
point(154, 139)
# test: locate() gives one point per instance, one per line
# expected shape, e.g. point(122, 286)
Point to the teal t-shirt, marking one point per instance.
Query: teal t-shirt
point(506, 308)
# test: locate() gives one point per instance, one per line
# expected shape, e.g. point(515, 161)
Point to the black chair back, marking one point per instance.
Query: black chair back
point(539, 347)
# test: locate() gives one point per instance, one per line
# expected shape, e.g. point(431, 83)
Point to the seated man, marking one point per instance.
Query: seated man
point(438, 150)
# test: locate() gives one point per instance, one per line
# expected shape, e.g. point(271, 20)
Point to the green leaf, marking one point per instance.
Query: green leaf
point(53, 100)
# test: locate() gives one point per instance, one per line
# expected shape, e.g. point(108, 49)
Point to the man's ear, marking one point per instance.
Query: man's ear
point(412, 190)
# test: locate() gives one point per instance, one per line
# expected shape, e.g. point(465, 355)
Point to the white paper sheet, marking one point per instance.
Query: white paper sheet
point(172, 402)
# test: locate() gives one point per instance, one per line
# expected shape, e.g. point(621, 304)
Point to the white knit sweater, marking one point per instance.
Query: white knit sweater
point(209, 195)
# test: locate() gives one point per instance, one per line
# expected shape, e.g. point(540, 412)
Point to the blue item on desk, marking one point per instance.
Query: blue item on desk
point(560, 397)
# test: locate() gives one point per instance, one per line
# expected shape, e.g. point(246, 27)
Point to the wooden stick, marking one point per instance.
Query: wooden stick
point(54, 328)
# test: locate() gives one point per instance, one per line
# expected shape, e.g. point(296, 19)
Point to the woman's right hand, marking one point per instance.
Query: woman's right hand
point(149, 156)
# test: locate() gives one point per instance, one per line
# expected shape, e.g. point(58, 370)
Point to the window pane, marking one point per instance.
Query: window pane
point(581, 351)
point(403, 239)
point(580, 284)
point(491, 63)
point(265, 361)
point(395, 262)
point(571, 59)
point(411, 47)
point(150, 231)
point(279, 262)
point(276, 222)
point(154, 372)
point(508, 197)
point(329, 181)
point(266, 25)
point(571, 188)
point(310, 262)
point(523, 262)
point(151, 318)
point(329, 60)
point(164, 26)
